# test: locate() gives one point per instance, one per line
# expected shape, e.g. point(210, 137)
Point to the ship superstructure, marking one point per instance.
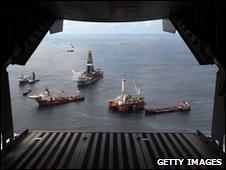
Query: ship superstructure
point(23, 79)
point(90, 75)
point(33, 79)
point(126, 102)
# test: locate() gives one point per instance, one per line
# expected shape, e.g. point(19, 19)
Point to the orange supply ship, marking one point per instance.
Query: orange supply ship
point(126, 102)
point(48, 99)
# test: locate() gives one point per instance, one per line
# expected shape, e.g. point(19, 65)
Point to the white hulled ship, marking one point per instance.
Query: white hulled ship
point(90, 75)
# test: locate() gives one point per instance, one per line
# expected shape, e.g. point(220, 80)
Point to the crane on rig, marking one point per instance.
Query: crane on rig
point(137, 89)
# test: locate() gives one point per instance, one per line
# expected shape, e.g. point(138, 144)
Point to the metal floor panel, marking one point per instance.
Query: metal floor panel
point(110, 150)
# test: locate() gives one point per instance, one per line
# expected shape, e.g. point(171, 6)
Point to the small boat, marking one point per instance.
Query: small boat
point(70, 50)
point(33, 79)
point(26, 92)
point(23, 79)
point(181, 107)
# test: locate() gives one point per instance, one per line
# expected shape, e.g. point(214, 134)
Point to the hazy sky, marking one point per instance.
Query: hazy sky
point(78, 27)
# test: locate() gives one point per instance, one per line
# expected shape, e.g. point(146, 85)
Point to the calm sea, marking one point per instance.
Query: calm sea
point(161, 65)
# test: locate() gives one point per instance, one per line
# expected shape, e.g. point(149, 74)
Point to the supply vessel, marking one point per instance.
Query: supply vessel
point(90, 75)
point(183, 106)
point(126, 102)
point(46, 98)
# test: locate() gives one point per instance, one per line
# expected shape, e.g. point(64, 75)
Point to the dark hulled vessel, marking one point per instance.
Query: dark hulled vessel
point(180, 107)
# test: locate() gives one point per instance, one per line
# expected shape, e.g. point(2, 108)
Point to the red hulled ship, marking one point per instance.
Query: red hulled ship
point(49, 99)
point(183, 106)
point(126, 102)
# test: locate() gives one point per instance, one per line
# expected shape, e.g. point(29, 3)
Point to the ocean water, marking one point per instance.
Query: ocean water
point(161, 65)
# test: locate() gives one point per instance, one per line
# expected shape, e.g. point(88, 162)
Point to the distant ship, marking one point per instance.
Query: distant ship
point(126, 102)
point(70, 50)
point(33, 79)
point(48, 99)
point(89, 75)
point(26, 92)
point(23, 79)
point(180, 107)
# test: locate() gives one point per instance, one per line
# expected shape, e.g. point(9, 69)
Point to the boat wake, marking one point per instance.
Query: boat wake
point(76, 74)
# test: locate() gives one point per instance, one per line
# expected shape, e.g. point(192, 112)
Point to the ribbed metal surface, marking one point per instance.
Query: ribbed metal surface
point(51, 150)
